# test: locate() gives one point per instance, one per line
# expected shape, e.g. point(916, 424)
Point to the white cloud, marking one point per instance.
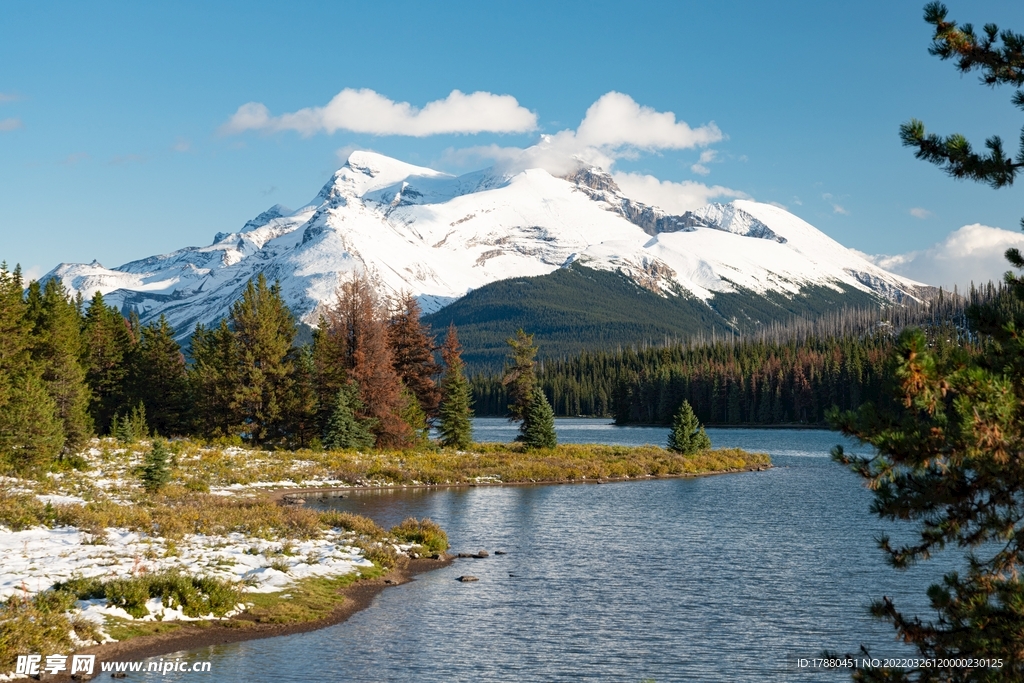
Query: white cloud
point(7, 125)
point(918, 212)
point(8, 97)
point(614, 127)
point(32, 273)
point(366, 111)
point(706, 157)
point(616, 120)
point(182, 145)
point(971, 253)
point(669, 196)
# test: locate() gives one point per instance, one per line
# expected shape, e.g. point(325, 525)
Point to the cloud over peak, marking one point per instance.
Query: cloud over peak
point(971, 253)
point(672, 197)
point(614, 127)
point(366, 111)
point(617, 121)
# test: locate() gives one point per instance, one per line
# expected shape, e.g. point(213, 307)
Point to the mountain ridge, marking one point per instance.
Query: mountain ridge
point(438, 236)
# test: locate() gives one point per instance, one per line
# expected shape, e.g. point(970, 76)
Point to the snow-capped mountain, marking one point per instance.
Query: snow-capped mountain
point(440, 236)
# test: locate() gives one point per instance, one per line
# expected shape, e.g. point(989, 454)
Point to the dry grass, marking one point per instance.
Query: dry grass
point(185, 507)
point(39, 624)
point(421, 532)
point(511, 463)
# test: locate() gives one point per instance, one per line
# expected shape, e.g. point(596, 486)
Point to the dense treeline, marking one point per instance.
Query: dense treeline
point(784, 374)
point(70, 369)
point(578, 308)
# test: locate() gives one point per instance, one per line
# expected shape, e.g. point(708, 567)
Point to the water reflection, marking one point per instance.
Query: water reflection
point(718, 578)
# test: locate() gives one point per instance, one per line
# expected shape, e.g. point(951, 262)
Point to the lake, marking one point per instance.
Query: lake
point(729, 578)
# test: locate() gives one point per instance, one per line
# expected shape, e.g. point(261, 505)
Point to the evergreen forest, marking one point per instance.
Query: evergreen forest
point(789, 374)
point(71, 369)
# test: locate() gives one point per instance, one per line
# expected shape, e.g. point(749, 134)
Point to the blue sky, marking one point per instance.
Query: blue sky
point(113, 116)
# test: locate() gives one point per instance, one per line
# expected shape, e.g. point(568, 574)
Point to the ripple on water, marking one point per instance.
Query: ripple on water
point(718, 578)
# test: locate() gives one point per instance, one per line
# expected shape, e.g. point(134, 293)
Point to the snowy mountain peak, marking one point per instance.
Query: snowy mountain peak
point(730, 218)
point(439, 236)
point(365, 172)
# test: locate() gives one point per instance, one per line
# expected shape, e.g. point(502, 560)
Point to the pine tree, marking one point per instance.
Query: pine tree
point(519, 379)
point(156, 468)
point(264, 330)
point(331, 361)
point(131, 428)
point(56, 349)
point(538, 427)
point(346, 429)
point(301, 413)
point(212, 378)
point(31, 435)
point(687, 435)
point(412, 347)
point(158, 379)
point(358, 325)
point(108, 341)
point(950, 438)
point(456, 412)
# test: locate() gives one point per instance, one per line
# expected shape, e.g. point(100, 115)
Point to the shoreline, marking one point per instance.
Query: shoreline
point(355, 598)
point(283, 495)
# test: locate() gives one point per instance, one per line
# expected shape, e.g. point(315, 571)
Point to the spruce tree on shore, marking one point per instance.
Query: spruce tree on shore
point(687, 435)
point(412, 350)
point(346, 429)
point(456, 412)
point(538, 427)
point(520, 378)
point(264, 329)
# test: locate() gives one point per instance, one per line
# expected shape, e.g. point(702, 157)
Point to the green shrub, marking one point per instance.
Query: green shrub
point(82, 588)
point(423, 532)
point(21, 511)
point(132, 427)
point(381, 554)
point(362, 526)
point(195, 596)
point(130, 595)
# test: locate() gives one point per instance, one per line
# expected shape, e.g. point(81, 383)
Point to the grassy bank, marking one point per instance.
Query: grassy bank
point(92, 556)
point(200, 468)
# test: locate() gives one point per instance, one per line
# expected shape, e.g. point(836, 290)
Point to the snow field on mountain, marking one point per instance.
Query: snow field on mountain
point(412, 229)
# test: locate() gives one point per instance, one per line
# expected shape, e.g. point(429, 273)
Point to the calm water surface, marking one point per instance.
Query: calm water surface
point(724, 578)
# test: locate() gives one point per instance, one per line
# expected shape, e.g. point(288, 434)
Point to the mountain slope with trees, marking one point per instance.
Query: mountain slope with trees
point(580, 308)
